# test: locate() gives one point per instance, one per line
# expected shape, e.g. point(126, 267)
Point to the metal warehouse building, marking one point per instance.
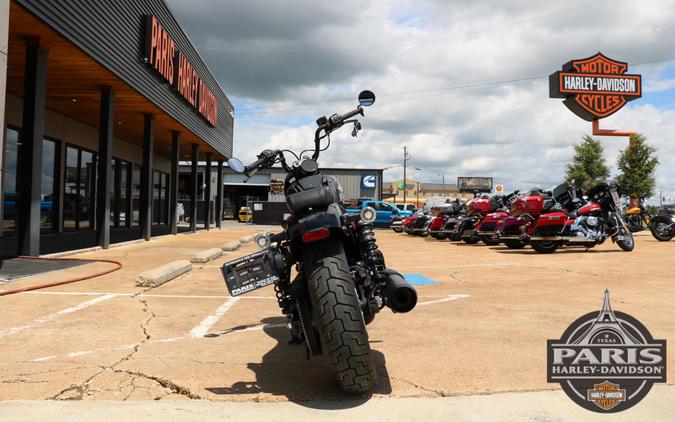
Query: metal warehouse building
point(266, 185)
point(103, 99)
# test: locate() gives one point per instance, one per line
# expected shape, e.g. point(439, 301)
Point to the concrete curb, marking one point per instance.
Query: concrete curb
point(246, 239)
point(160, 275)
point(231, 246)
point(206, 255)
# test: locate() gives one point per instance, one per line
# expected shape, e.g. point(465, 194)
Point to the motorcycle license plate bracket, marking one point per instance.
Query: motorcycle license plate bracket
point(249, 273)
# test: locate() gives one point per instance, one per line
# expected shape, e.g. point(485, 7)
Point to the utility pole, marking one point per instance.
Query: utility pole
point(406, 157)
point(660, 197)
point(443, 175)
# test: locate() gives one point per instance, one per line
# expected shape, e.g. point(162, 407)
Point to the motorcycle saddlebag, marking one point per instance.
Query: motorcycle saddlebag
point(480, 206)
point(532, 204)
point(551, 223)
point(510, 226)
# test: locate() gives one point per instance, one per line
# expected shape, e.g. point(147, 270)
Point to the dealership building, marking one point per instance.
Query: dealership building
point(102, 101)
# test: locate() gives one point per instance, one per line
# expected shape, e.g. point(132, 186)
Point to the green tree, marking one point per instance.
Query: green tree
point(636, 166)
point(588, 167)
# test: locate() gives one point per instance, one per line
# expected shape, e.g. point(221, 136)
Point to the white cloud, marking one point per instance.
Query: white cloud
point(429, 62)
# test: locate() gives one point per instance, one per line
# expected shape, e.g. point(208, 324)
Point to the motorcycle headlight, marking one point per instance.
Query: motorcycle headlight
point(263, 240)
point(368, 214)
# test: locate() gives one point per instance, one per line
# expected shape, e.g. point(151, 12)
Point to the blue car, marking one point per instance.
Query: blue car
point(9, 204)
point(386, 212)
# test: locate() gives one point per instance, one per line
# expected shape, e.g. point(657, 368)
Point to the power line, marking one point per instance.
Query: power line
point(413, 94)
point(405, 43)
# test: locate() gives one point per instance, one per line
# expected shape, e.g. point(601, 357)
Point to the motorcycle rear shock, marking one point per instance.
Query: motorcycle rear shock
point(370, 253)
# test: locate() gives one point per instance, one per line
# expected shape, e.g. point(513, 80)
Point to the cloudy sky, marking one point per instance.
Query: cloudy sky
point(462, 83)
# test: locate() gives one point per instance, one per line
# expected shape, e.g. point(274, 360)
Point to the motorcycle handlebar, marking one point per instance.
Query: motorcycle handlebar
point(253, 167)
point(357, 110)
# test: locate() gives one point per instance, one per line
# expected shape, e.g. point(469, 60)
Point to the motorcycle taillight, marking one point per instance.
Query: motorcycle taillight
point(314, 235)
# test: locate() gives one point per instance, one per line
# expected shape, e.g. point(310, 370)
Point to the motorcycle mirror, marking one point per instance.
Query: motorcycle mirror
point(236, 165)
point(366, 98)
point(357, 127)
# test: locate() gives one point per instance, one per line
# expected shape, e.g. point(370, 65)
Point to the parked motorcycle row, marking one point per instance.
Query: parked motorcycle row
point(546, 220)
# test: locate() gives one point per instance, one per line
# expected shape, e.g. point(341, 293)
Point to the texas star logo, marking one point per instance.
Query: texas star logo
point(595, 87)
point(606, 361)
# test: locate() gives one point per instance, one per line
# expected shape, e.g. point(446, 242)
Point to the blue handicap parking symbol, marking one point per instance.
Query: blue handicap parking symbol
point(418, 280)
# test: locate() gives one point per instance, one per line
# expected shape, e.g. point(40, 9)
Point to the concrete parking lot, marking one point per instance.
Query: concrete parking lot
point(481, 329)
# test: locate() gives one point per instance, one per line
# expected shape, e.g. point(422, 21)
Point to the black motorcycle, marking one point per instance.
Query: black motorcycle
point(662, 225)
point(341, 279)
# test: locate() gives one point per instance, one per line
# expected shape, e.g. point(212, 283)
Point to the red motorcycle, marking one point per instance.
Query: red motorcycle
point(587, 225)
point(476, 211)
point(487, 228)
point(515, 229)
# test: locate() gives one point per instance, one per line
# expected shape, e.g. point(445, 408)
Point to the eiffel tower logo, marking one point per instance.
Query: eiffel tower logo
point(606, 329)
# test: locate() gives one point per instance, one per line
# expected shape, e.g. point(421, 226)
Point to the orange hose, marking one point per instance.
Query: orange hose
point(117, 264)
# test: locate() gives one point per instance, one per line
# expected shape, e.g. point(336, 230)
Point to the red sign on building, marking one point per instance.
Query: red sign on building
point(175, 68)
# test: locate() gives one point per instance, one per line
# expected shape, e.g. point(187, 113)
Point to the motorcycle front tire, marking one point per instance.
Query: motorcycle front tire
point(514, 244)
point(544, 246)
point(628, 243)
point(489, 241)
point(471, 240)
point(338, 317)
point(658, 233)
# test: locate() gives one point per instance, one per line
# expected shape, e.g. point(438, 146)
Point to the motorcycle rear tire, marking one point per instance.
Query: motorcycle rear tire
point(514, 244)
point(490, 242)
point(544, 246)
point(471, 240)
point(338, 317)
point(397, 230)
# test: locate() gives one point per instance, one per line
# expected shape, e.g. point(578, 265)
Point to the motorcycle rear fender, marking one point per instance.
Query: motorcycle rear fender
point(330, 219)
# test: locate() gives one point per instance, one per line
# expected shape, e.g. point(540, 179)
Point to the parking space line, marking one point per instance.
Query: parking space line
point(203, 328)
point(445, 299)
point(55, 315)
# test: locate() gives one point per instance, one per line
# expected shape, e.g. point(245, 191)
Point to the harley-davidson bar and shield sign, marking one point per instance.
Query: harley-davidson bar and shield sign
point(595, 87)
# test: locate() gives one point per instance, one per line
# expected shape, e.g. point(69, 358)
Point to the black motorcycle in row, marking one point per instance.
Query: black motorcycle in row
point(341, 278)
point(662, 225)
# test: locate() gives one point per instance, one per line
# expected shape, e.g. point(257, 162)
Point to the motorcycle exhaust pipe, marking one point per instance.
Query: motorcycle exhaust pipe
point(399, 295)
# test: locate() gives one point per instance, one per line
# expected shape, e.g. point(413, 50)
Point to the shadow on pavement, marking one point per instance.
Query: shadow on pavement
point(508, 251)
point(285, 371)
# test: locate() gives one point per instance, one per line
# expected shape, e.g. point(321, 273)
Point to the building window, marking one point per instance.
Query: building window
point(136, 195)
point(120, 193)
point(160, 183)
point(79, 189)
point(185, 186)
point(47, 188)
point(9, 181)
